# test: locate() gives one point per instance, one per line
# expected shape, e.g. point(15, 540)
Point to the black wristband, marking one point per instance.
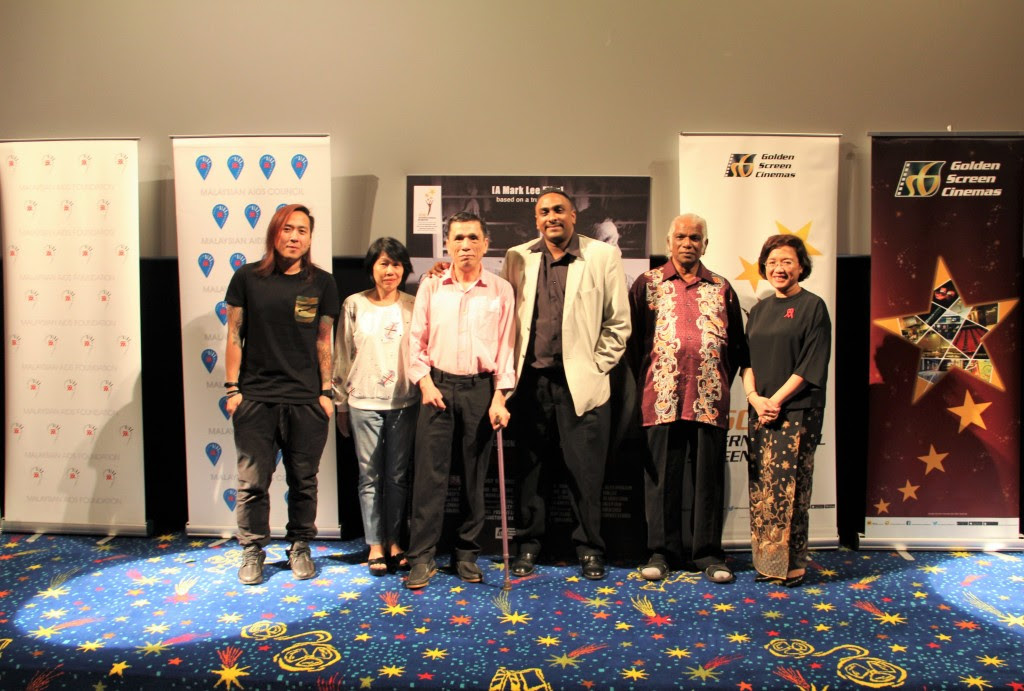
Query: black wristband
point(327, 392)
point(229, 384)
point(229, 394)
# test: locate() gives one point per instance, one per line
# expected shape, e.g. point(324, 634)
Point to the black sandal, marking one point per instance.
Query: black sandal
point(398, 562)
point(761, 578)
point(709, 573)
point(378, 566)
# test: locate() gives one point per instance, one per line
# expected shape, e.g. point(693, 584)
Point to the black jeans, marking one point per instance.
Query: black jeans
point(261, 429)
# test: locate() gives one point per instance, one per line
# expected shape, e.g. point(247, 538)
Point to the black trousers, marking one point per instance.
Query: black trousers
point(467, 400)
point(300, 432)
point(684, 492)
point(549, 431)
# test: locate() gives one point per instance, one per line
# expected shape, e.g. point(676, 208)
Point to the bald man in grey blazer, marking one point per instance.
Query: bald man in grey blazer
point(572, 322)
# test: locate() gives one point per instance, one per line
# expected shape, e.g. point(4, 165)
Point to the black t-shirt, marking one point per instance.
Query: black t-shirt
point(279, 331)
point(791, 336)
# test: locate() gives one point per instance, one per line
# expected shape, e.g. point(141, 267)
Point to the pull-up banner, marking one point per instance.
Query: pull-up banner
point(226, 191)
point(944, 415)
point(74, 365)
point(749, 187)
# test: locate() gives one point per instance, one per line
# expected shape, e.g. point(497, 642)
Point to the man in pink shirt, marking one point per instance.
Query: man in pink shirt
point(460, 355)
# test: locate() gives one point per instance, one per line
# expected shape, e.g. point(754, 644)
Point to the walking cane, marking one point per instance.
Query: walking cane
point(504, 519)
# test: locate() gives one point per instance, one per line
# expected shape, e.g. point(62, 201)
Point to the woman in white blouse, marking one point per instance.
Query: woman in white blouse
point(376, 404)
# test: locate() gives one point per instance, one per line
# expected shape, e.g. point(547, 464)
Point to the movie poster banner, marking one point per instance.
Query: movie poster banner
point(74, 459)
point(944, 372)
point(226, 191)
point(749, 187)
point(615, 210)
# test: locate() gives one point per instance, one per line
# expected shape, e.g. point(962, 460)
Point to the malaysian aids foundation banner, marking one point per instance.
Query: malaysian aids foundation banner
point(944, 373)
point(73, 362)
point(226, 191)
point(749, 187)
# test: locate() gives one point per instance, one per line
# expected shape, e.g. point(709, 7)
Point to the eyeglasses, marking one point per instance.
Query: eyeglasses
point(784, 263)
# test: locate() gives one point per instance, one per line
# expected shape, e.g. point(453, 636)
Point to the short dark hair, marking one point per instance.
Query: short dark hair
point(394, 249)
point(777, 241)
point(466, 217)
point(558, 191)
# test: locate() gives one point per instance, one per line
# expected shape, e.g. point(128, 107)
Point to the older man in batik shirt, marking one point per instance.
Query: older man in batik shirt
point(686, 346)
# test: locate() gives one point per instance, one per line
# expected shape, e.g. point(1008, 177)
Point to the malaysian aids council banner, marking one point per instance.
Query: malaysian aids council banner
point(749, 187)
point(944, 370)
point(226, 191)
point(73, 362)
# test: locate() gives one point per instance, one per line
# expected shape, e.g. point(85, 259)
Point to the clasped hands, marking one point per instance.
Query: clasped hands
point(767, 410)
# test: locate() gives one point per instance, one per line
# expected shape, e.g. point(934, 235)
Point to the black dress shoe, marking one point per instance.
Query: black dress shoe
point(592, 566)
point(523, 564)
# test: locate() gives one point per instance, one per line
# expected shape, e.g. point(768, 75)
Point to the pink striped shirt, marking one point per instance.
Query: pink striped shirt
point(458, 331)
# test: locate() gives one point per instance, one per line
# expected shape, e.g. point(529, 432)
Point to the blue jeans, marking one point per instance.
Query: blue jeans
point(383, 441)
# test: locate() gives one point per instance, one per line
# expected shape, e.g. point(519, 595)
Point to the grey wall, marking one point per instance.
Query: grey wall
point(473, 86)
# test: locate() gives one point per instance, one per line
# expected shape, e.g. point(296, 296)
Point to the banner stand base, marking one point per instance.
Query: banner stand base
point(129, 530)
point(329, 533)
point(944, 544)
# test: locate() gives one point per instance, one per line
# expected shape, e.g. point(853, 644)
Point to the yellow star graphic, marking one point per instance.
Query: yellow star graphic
point(882, 506)
point(950, 334)
point(364, 682)
point(803, 234)
point(970, 412)
point(118, 669)
point(909, 491)
point(897, 648)
point(933, 461)
point(750, 273)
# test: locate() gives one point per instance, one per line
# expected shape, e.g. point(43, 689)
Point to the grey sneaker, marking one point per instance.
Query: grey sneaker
point(300, 561)
point(251, 570)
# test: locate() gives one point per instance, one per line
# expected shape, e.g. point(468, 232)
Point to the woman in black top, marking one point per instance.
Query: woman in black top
point(789, 335)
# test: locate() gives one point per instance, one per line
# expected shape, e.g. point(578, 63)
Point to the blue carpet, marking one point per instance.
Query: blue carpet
point(168, 612)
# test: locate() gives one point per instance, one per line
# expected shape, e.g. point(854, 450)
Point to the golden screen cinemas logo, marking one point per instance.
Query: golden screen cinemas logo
point(770, 166)
point(964, 179)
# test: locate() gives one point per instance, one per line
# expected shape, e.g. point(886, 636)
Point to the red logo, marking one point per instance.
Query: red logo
point(788, 314)
point(48, 161)
point(126, 433)
point(31, 297)
point(70, 386)
point(37, 473)
point(12, 162)
point(12, 251)
point(109, 474)
point(51, 342)
point(34, 385)
point(104, 296)
point(85, 251)
point(16, 429)
point(50, 251)
point(89, 431)
point(122, 251)
point(15, 340)
point(73, 474)
point(88, 341)
point(106, 386)
point(83, 161)
point(68, 297)
point(53, 431)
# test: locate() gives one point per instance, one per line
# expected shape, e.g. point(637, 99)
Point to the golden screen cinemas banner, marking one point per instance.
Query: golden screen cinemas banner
point(71, 317)
point(944, 423)
point(226, 191)
point(747, 188)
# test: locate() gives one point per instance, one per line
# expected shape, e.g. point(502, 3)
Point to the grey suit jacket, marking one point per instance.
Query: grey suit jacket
point(595, 320)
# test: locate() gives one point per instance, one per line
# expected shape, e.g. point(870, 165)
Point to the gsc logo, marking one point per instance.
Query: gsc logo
point(920, 179)
point(740, 166)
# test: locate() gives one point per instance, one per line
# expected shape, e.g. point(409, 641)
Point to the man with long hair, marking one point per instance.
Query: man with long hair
point(278, 367)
